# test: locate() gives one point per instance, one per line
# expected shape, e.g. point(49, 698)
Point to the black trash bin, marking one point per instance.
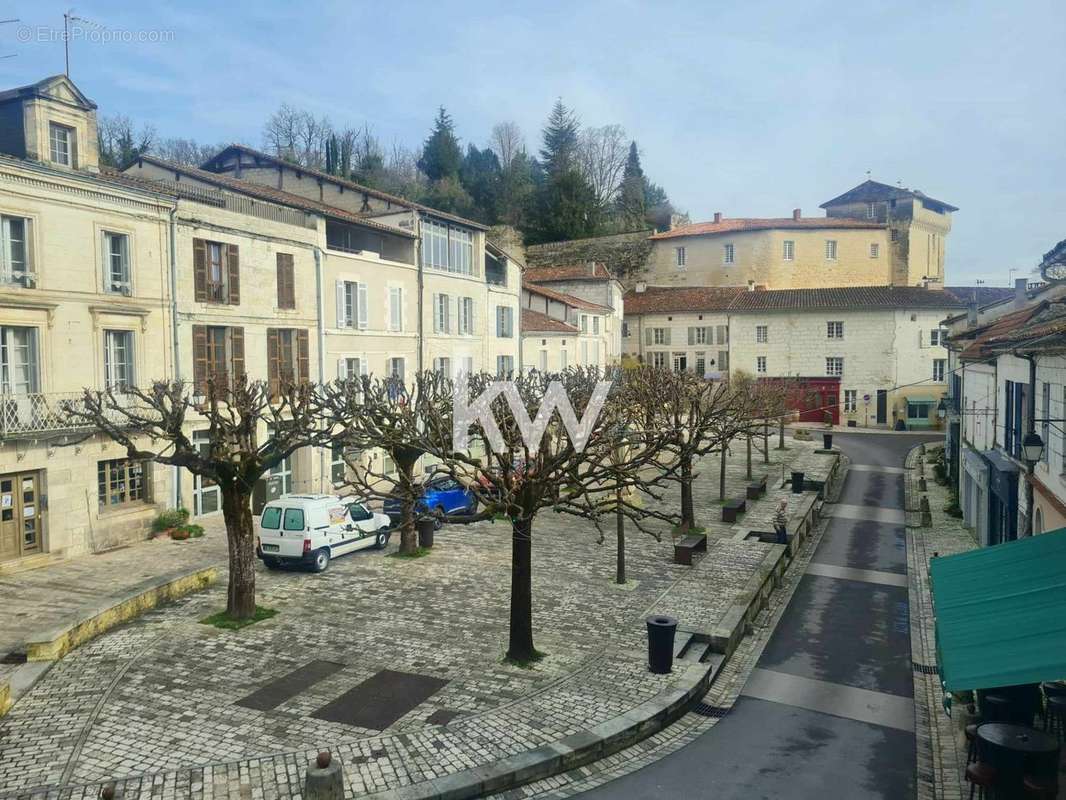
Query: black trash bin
point(661, 630)
point(425, 526)
point(827, 441)
point(797, 483)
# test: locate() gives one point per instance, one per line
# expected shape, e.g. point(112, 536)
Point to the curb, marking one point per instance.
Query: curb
point(53, 644)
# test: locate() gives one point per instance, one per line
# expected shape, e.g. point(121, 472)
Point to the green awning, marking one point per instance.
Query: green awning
point(1001, 613)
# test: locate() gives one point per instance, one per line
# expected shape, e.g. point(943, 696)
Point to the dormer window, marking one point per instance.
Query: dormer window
point(61, 144)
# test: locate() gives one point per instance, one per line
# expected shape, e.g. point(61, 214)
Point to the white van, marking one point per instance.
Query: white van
point(311, 529)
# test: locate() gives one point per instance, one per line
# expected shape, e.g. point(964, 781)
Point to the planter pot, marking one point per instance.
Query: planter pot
point(827, 441)
point(797, 483)
point(425, 529)
point(179, 534)
point(661, 631)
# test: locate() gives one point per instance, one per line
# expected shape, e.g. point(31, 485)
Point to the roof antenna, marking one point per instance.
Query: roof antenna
point(867, 174)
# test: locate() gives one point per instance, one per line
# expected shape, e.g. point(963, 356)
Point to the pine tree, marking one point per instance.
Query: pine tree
point(480, 175)
point(632, 192)
point(559, 152)
point(441, 156)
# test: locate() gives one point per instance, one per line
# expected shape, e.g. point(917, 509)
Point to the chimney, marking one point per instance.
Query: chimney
point(1021, 296)
point(971, 314)
point(591, 267)
point(751, 286)
point(796, 213)
point(641, 287)
point(717, 216)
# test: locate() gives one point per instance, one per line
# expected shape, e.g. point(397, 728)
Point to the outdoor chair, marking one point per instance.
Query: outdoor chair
point(981, 776)
point(1040, 787)
point(1055, 715)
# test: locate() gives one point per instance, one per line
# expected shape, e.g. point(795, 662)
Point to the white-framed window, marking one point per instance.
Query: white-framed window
point(834, 366)
point(504, 366)
point(850, 399)
point(700, 367)
point(61, 144)
point(351, 367)
point(116, 262)
point(442, 313)
point(939, 368)
point(18, 360)
point(443, 365)
point(679, 257)
point(466, 365)
point(206, 493)
point(698, 335)
point(834, 329)
point(788, 250)
point(584, 323)
point(395, 368)
point(762, 334)
point(15, 259)
point(830, 249)
point(595, 326)
point(118, 359)
point(937, 337)
point(875, 250)
point(728, 254)
point(658, 360)
point(760, 365)
point(658, 336)
point(395, 308)
point(870, 213)
point(625, 329)
point(351, 305)
point(504, 322)
point(446, 247)
point(466, 315)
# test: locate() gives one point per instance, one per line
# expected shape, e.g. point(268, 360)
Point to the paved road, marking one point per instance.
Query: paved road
point(829, 708)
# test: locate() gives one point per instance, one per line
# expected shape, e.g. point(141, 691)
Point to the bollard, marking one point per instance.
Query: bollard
point(661, 630)
point(110, 792)
point(425, 527)
point(827, 441)
point(325, 779)
point(797, 482)
point(927, 514)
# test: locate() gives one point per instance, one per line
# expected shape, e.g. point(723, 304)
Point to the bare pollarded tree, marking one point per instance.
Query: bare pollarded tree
point(252, 427)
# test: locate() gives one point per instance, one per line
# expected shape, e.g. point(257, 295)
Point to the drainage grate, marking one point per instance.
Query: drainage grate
point(925, 669)
point(707, 710)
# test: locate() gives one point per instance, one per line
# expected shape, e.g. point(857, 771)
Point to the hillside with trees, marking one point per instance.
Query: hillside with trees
point(583, 181)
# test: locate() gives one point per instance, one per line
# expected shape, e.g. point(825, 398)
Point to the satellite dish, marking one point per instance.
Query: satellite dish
point(1053, 265)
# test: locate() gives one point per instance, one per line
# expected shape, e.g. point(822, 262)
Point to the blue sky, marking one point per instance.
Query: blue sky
point(749, 108)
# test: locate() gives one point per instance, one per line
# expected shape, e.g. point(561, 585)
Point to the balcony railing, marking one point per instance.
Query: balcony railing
point(23, 415)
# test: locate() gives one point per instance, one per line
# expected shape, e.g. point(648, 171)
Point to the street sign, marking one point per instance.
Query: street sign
point(866, 399)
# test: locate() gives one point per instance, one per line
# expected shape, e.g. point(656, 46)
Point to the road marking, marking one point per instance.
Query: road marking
point(875, 468)
point(862, 705)
point(853, 574)
point(892, 516)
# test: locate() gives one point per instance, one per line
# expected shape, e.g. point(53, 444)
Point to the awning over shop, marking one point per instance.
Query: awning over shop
point(1001, 613)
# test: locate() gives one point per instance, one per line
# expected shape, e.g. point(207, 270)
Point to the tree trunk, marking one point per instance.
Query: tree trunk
point(766, 441)
point(408, 533)
point(620, 524)
point(721, 475)
point(688, 515)
point(749, 457)
point(240, 536)
point(781, 434)
point(520, 645)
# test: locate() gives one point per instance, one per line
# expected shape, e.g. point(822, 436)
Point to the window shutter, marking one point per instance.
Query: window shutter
point(286, 281)
point(436, 313)
point(648, 336)
point(303, 356)
point(199, 270)
point(692, 336)
point(472, 322)
point(236, 346)
point(233, 265)
point(361, 302)
point(666, 335)
point(199, 357)
point(342, 314)
point(342, 368)
point(452, 314)
point(273, 357)
point(723, 334)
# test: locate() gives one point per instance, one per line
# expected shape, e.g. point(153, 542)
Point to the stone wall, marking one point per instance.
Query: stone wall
point(625, 254)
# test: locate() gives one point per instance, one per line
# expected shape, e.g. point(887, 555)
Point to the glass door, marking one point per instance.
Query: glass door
point(207, 498)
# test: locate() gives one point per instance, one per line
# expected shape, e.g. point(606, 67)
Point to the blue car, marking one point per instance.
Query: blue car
point(440, 495)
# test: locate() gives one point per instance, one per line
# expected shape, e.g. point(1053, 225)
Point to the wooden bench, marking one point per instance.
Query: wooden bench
point(731, 509)
point(757, 489)
point(691, 543)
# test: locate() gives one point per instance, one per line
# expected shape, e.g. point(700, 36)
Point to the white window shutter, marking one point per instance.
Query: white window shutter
point(648, 336)
point(666, 332)
point(342, 368)
point(451, 314)
point(436, 313)
point(399, 303)
point(342, 320)
point(362, 304)
point(692, 336)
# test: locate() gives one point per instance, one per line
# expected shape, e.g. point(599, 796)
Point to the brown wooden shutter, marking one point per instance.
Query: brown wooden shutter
point(199, 270)
point(273, 356)
point(199, 357)
point(233, 265)
point(286, 281)
point(236, 348)
point(303, 359)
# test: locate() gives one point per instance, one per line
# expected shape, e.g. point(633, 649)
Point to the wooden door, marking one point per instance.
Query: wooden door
point(21, 516)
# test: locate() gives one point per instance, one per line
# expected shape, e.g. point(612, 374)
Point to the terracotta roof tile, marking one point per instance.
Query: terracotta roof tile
point(662, 299)
point(985, 336)
point(567, 272)
point(679, 299)
point(562, 297)
point(753, 224)
point(535, 322)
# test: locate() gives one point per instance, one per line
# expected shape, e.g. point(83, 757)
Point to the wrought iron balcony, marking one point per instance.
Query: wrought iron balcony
point(27, 415)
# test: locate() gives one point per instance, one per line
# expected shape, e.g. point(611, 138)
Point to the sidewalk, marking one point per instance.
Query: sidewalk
point(42, 600)
point(817, 428)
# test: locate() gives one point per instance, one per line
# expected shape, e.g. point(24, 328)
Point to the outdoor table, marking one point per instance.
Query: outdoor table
point(1016, 750)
